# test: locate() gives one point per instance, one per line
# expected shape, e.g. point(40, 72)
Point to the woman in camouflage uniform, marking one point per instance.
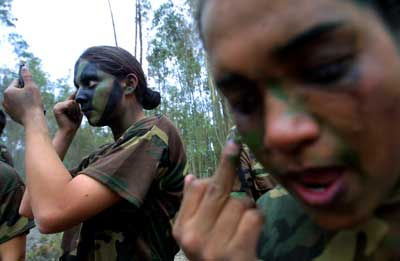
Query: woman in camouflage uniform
point(119, 202)
point(314, 87)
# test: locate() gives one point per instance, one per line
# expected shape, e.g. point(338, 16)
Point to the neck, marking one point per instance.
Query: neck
point(127, 117)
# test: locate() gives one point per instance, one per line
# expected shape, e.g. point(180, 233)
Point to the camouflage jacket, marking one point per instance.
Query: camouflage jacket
point(146, 167)
point(252, 179)
point(290, 234)
point(11, 192)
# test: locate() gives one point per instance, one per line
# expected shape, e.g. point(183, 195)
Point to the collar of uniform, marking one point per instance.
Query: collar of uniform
point(361, 241)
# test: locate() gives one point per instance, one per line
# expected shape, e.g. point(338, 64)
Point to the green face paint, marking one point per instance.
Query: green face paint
point(276, 89)
point(98, 93)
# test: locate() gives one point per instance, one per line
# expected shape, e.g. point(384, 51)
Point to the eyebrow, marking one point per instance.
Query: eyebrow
point(311, 35)
point(88, 74)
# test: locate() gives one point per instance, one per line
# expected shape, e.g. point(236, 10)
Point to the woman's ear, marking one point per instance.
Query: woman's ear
point(131, 81)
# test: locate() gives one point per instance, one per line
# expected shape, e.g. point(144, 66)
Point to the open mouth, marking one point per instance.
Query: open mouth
point(317, 187)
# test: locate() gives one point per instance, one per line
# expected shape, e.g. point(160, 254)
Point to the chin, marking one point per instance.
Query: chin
point(96, 123)
point(333, 221)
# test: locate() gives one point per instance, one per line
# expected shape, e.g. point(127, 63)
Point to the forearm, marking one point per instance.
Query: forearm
point(62, 140)
point(25, 208)
point(13, 249)
point(46, 175)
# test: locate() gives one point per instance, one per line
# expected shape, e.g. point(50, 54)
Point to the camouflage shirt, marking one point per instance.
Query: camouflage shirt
point(252, 179)
point(290, 234)
point(146, 167)
point(11, 192)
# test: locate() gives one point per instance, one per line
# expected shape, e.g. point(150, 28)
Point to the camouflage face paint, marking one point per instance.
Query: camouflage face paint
point(99, 93)
point(276, 89)
point(295, 103)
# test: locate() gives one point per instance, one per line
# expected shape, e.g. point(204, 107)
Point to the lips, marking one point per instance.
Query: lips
point(317, 187)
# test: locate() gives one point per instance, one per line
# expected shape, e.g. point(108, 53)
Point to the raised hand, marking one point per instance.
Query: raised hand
point(23, 104)
point(68, 114)
point(213, 226)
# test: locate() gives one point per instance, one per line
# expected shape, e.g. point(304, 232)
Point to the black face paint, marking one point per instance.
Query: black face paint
point(113, 100)
point(84, 95)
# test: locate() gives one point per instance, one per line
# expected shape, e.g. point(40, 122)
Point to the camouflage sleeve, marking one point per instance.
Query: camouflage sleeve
point(289, 233)
point(11, 223)
point(262, 180)
point(251, 178)
point(129, 168)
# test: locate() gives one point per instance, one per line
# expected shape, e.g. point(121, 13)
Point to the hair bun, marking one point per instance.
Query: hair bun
point(151, 99)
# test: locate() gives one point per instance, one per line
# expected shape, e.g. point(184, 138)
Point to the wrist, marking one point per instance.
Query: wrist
point(34, 118)
point(67, 132)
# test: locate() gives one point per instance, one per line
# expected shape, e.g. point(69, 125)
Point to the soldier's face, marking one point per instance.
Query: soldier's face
point(99, 93)
point(314, 87)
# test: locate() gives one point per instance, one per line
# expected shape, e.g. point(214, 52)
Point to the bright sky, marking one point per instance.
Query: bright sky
point(59, 31)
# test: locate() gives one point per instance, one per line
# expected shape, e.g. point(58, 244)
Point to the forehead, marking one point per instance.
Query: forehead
point(230, 26)
point(84, 67)
point(88, 70)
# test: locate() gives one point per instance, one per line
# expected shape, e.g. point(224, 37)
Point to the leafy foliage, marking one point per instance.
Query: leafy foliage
point(178, 66)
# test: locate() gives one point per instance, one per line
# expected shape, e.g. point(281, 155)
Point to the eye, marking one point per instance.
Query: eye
point(246, 103)
point(328, 73)
point(92, 84)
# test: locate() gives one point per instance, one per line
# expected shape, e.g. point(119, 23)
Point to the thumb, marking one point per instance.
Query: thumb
point(72, 96)
point(26, 76)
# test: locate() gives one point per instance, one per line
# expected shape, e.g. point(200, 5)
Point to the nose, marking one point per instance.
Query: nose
point(286, 128)
point(81, 96)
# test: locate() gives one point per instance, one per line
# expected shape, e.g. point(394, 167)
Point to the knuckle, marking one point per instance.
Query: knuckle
point(254, 217)
point(240, 204)
point(212, 253)
point(190, 241)
point(216, 191)
point(176, 232)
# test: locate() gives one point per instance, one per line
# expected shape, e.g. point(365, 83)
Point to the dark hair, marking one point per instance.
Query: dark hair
point(119, 63)
point(199, 12)
point(2, 121)
point(388, 10)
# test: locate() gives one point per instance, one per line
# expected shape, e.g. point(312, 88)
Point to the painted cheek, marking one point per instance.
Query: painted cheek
point(100, 98)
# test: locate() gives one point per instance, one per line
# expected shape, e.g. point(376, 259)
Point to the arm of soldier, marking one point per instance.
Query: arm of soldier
point(25, 208)
point(69, 117)
point(58, 201)
point(213, 226)
point(13, 249)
